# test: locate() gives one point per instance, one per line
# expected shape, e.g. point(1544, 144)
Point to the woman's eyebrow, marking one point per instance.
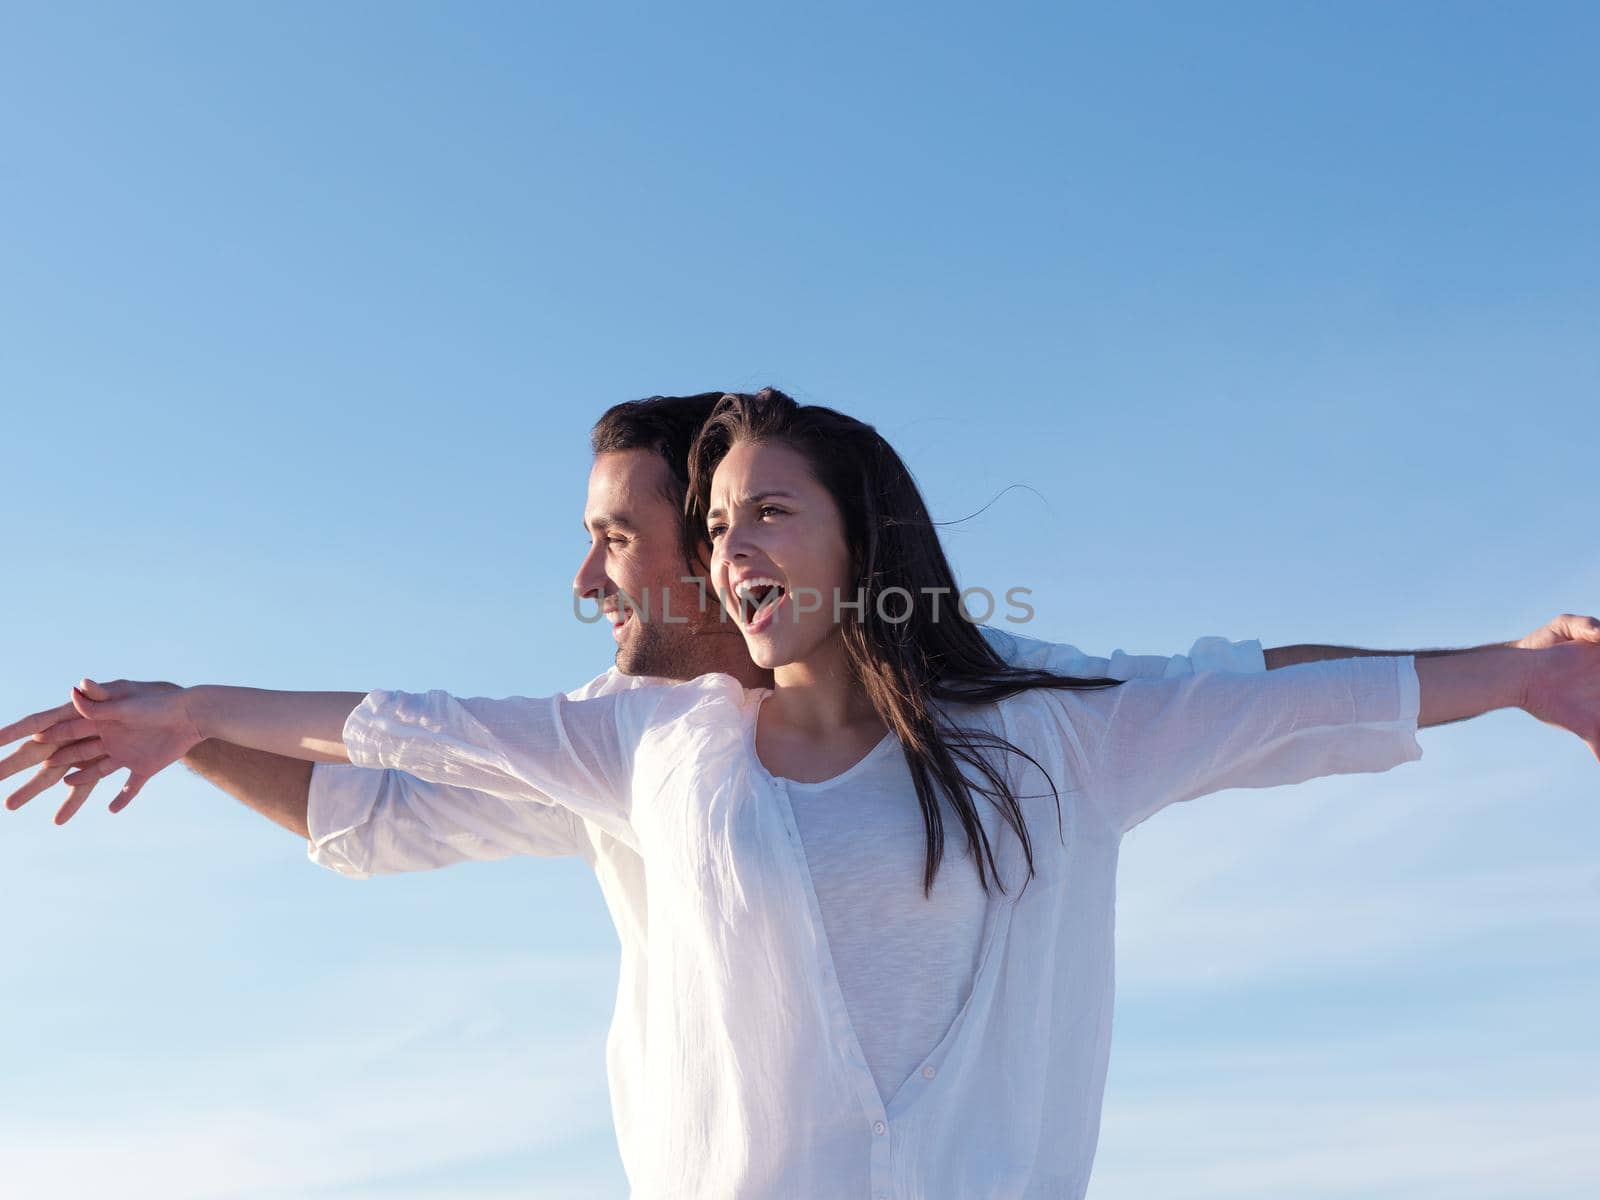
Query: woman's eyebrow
point(757, 498)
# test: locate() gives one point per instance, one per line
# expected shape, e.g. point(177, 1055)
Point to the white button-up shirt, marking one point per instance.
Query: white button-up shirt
point(734, 1068)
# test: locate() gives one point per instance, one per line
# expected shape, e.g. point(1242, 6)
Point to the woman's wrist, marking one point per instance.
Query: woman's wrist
point(199, 705)
point(1529, 662)
point(1457, 687)
point(305, 725)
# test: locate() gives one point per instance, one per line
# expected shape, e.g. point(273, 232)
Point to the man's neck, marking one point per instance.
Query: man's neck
point(746, 672)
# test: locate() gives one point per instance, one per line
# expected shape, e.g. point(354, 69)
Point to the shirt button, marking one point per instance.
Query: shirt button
point(927, 1072)
point(878, 1127)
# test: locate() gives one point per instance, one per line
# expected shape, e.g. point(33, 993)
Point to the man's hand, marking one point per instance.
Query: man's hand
point(1563, 689)
point(144, 727)
point(1565, 628)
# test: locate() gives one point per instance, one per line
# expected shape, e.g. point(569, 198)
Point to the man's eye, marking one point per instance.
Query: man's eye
point(616, 541)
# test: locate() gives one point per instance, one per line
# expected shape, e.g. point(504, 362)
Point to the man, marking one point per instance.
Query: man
point(645, 569)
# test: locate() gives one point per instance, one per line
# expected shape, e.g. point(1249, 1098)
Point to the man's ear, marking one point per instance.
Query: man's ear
point(700, 559)
point(699, 566)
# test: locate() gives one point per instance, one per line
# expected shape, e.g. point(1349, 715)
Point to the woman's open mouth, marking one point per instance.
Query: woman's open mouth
point(758, 600)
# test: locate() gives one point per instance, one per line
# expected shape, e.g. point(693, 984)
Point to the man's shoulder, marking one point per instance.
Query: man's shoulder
point(657, 700)
point(1209, 653)
point(1020, 650)
point(612, 681)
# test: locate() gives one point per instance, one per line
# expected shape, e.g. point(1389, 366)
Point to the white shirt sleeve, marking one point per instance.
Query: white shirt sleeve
point(366, 821)
point(1207, 654)
point(1149, 743)
point(573, 754)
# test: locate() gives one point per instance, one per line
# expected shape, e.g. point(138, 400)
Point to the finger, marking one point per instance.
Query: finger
point(66, 731)
point(29, 754)
point(105, 707)
point(83, 704)
point(46, 779)
point(76, 797)
point(81, 785)
point(1575, 628)
point(129, 790)
point(117, 689)
point(34, 722)
point(98, 769)
point(87, 750)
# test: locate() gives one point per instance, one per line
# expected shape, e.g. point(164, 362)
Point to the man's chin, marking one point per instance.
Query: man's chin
point(643, 652)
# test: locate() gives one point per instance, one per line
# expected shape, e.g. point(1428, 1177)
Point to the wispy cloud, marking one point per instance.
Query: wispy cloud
point(1376, 1148)
point(381, 1090)
point(1354, 873)
point(1434, 931)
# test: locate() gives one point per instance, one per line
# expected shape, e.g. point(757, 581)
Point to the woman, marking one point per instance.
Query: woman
point(828, 1011)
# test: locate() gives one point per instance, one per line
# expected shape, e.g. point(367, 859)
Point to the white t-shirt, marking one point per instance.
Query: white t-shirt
point(904, 962)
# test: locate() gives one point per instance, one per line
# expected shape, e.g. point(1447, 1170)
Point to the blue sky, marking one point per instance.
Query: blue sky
point(1285, 317)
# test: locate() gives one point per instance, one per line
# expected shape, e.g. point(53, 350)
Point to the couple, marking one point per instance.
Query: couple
point(811, 1002)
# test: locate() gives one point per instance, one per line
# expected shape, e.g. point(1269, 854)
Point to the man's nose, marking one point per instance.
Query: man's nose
point(591, 579)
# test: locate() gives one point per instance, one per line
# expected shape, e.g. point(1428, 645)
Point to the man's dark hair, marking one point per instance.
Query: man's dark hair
point(665, 426)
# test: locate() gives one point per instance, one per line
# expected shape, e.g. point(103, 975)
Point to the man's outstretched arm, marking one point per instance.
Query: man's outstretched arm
point(1289, 656)
point(277, 787)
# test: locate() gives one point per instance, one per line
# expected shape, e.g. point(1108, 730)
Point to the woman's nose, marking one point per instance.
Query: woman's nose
point(735, 542)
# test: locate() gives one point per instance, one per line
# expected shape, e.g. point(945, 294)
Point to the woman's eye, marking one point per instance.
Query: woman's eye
point(769, 508)
point(715, 531)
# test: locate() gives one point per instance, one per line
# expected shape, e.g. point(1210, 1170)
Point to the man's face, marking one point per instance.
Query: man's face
point(663, 622)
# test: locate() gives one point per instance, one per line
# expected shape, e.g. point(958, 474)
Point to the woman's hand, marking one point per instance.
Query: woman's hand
point(1563, 689)
point(145, 727)
point(31, 753)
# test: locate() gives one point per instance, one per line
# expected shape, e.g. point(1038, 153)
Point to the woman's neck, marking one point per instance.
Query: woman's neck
point(819, 695)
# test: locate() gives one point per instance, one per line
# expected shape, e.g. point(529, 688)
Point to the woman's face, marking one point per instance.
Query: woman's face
point(779, 562)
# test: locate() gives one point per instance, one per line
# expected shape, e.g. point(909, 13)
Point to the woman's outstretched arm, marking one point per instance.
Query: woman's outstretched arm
point(1559, 685)
point(1149, 743)
point(304, 725)
point(1459, 686)
point(146, 727)
point(552, 751)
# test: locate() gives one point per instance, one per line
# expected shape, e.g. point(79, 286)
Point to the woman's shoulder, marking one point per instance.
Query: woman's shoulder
point(1041, 720)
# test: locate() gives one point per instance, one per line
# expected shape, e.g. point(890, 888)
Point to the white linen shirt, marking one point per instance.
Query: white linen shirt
point(364, 822)
point(735, 1071)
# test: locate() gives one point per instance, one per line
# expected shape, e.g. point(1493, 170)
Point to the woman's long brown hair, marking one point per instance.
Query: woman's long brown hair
point(908, 667)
